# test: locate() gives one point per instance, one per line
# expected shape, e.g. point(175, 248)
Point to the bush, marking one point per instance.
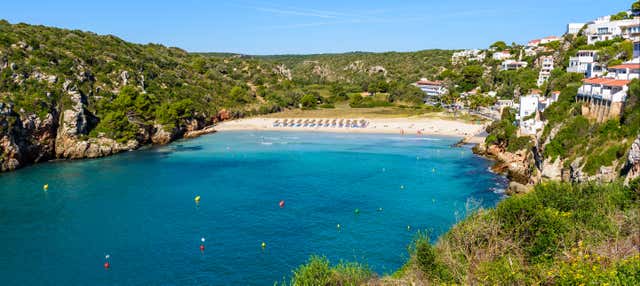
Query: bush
point(315, 272)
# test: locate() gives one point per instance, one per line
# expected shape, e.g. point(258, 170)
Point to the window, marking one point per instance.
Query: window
point(603, 30)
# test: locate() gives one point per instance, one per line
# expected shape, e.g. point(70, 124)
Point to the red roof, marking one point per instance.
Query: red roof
point(626, 66)
point(606, 81)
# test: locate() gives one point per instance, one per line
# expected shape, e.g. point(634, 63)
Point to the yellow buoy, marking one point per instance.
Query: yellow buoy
point(264, 245)
point(197, 199)
point(45, 187)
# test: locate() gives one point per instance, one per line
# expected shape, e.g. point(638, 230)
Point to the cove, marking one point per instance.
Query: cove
point(139, 208)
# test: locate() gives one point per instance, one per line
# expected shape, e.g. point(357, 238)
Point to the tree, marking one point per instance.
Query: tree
point(238, 95)
point(309, 101)
point(471, 76)
point(619, 16)
point(635, 7)
point(499, 46)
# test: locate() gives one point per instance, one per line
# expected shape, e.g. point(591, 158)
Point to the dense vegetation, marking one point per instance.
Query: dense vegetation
point(558, 234)
point(129, 86)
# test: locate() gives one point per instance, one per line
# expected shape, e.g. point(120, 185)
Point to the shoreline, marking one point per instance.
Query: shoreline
point(405, 126)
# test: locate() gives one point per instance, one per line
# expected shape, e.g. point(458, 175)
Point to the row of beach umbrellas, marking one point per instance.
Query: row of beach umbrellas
point(322, 122)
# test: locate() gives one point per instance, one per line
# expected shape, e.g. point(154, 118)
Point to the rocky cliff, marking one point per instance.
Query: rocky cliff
point(27, 139)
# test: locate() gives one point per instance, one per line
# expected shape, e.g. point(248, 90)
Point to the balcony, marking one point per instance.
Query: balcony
point(595, 92)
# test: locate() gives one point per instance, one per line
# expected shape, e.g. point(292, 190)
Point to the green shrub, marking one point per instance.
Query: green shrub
point(315, 272)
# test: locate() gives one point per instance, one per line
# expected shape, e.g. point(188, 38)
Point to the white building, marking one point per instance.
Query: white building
point(500, 56)
point(468, 55)
point(574, 28)
point(585, 62)
point(603, 29)
point(632, 31)
point(603, 98)
point(546, 66)
point(513, 65)
point(431, 88)
point(549, 39)
point(626, 71)
point(528, 105)
point(543, 41)
point(636, 49)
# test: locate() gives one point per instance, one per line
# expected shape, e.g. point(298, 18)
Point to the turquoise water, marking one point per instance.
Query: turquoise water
point(139, 208)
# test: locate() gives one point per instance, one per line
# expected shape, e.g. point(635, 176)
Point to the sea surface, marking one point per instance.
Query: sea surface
point(139, 208)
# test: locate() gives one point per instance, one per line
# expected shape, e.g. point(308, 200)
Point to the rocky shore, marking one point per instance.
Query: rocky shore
point(64, 134)
point(525, 168)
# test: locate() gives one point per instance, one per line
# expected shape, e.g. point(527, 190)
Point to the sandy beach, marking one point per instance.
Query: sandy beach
point(409, 126)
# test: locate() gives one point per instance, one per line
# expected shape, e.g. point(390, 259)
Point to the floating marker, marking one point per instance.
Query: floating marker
point(281, 204)
point(338, 226)
point(433, 170)
point(201, 247)
point(356, 211)
point(264, 245)
point(45, 187)
point(106, 263)
point(379, 209)
point(408, 228)
point(197, 199)
point(402, 187)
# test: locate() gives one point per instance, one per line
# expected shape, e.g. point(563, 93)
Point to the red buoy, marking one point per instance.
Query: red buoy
point(107, 265)
point(201, 247)
point(281, 204)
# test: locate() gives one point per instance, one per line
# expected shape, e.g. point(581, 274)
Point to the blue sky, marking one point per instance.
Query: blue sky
point(285, 26)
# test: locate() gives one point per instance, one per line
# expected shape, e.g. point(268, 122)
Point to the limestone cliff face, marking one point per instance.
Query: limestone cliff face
point(26, 138)
point(75, 124)
point(518, 166)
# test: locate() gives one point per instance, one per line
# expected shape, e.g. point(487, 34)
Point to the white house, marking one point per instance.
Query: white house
point(626, 71)
point(579, 63)
point(574, 28)
point(513, 65)
point(546, 66)
point(636, 49)
point(500, 56)
point(468, 55)
point(603, 97)
point(603, 29)
point(431, 88)
point(543, 41)
point(528, 105)
point(549, 39)
point(632, 31)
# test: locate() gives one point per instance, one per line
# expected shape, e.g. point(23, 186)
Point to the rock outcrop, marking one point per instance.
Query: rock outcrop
point(25, 139)
point(516, 165)
point(632, 166)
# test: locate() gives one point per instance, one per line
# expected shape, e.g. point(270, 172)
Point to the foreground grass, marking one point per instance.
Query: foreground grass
point(560, 234)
